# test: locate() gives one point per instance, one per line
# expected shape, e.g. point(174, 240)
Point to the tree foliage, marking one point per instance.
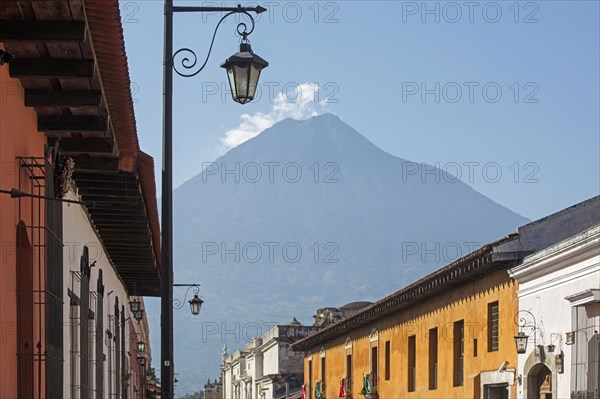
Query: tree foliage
point(193, 395)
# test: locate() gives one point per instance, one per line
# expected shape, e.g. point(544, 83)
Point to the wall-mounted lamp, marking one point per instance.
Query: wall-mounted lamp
point(521, 339)
point(570, 338)
point(135, 305)
point(195, 302)
point(141, 347)
point(195, 305)
point(521, 342)
point(559, 363)
point(139, 315)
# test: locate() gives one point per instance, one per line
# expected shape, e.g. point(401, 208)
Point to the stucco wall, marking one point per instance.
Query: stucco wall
point(543, 293)
point(271, 360)
point(18, 137)
point(468, 303)
point(77, 233)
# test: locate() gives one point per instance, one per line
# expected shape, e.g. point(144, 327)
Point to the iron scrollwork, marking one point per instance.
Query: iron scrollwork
point(177, 303)
point(525, 320)
point(190, 59)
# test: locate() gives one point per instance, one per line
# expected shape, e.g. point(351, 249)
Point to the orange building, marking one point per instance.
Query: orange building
point(79, 231)
point(20, 259)
point(448, 335)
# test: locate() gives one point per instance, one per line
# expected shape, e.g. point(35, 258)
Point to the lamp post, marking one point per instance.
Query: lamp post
point(243, 70)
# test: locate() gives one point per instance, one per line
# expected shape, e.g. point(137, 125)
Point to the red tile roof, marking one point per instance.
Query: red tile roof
point(104, 21)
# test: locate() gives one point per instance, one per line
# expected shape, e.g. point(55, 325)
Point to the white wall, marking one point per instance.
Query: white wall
point(271, 360)
point(545, 280)
point(77, 233)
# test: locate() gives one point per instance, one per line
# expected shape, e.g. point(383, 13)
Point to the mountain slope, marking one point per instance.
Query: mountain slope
point(311, 214)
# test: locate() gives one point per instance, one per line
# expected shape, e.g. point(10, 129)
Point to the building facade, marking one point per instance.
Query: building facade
point(559, 310)
point(452, 333)
point(78, 214)
point(101, 335)
point(448, 335)
point(212, 390)
point(265, 368)
point(21, 260)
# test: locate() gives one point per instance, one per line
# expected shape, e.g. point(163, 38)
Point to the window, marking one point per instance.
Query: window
point(310, 377)
point(99, 356)
point(475, 347)
point(585, 352)
point(459, 352)
point(374, 361)
point(387, 360)
point(412, 359)
point(493, 326)
point(349, 373)
point(110, 355)
point(91, 347)
point(25, 324)
point(433, 358)
point(323, 374)
point(117, 350)
point(74, 349)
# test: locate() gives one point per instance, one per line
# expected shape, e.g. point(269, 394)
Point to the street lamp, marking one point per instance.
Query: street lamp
point(521, 342)
point(141, 347)
point(195, 302)
point(195, 305)
point(524, 319)
point(139, 315)
point(243, 71)
point(135, 305)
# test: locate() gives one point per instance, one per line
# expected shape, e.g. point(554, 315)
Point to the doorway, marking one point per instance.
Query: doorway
point(496, 391)
point(539, 382)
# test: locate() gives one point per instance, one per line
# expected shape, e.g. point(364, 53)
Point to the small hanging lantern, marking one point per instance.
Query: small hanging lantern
point(141, 347)
point(139, 315)
point(135, 305)
point(195, 304)
point(521, 342)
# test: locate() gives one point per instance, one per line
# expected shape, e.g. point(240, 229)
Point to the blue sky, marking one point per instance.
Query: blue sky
point(476, 88)
point(511, 88)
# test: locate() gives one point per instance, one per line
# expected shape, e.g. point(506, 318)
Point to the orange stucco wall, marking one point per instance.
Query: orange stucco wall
point(18, 137)
point(468, 303)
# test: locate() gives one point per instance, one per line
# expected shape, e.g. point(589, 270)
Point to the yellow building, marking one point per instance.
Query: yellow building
point(448, 335)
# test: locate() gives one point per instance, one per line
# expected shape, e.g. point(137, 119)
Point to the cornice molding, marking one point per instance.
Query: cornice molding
point(576, 249)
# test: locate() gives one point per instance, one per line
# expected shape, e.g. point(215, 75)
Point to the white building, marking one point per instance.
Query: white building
point(100, 334)
point(265, 368)
point(559, 310)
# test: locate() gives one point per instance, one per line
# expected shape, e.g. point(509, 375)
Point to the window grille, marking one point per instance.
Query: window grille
point(493, 325)
point(585, 355)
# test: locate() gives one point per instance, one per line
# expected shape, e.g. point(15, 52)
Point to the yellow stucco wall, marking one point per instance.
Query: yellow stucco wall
point(468, 303)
